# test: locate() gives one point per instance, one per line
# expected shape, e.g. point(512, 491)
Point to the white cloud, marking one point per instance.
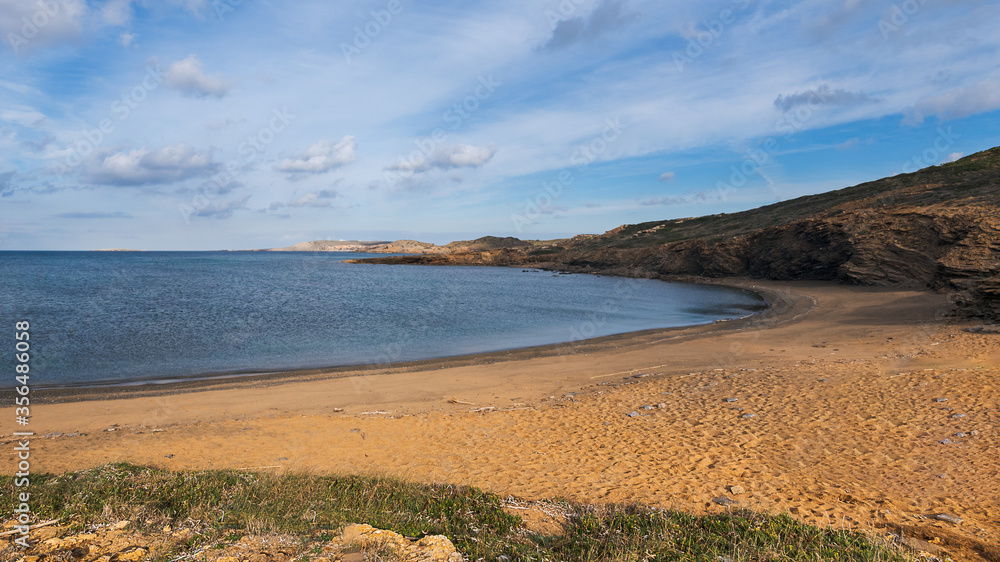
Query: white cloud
point(27, 25)
point(189, 77)
point(957, 103)
point(144, 167)
point(317, 199)
point(446, 158)
point(19, 88)
point(222, 209)
point(322, 157)
point(954, 156)
point(22, 116)
point(127, 38)
point(667, 176)
point(117, 12)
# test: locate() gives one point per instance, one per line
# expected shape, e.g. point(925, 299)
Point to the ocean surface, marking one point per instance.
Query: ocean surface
point(151, 317)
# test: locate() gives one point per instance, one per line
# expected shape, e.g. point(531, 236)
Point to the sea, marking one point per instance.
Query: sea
point(144, 318)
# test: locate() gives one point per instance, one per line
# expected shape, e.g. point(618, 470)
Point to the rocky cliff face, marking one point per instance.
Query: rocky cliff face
point(935, 247)
point(912, 247)
point(937, 229)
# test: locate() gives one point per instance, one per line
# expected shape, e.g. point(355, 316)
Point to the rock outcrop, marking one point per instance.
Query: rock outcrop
point(120, 543)
point(934, 229)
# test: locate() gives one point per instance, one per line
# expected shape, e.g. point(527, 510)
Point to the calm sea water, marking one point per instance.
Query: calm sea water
point(103, 317)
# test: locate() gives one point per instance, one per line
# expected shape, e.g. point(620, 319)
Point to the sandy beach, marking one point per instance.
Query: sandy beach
point(846, 406)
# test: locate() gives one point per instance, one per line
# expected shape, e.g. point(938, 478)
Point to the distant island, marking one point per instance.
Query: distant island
point(412, 246)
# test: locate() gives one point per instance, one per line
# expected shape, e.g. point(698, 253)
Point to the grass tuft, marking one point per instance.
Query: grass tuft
point(225, 504)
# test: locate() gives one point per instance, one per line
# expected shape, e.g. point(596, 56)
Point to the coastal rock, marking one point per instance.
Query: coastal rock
point(134, 554)
point(920, 545)
point(949, 518)
point(115, 543)
point(936, 228)
point(435, 548)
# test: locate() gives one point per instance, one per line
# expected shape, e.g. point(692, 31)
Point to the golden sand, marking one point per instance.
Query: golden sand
point(831, 411)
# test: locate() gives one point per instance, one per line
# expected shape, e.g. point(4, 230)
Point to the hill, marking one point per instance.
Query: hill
point(938, 228)
point(379, 247)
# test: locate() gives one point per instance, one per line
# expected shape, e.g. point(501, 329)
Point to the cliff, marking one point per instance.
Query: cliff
point(938, 228)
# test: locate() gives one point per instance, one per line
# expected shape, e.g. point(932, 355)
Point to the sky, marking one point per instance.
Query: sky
point(240, 124)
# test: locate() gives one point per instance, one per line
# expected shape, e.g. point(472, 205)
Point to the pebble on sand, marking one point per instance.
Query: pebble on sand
point(949, 518)
point(748, 416)
point(723, 500)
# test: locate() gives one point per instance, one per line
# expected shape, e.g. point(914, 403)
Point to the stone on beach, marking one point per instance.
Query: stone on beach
point(949, 518)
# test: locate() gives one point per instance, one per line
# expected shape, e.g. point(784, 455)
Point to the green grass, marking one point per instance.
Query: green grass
point(973, 180)
point(228, 504)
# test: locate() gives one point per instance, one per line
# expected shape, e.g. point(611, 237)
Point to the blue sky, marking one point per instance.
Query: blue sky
point(228, 124)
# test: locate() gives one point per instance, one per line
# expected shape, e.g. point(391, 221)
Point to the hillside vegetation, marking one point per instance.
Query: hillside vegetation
point(938, 228)
point(210, 515)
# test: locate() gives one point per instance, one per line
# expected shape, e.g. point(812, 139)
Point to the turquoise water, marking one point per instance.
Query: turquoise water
point(114, 317)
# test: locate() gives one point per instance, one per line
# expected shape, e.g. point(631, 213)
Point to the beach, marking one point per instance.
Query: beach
point(856, 407)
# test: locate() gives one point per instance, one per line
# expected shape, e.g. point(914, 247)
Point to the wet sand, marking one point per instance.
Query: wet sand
point(828, 407)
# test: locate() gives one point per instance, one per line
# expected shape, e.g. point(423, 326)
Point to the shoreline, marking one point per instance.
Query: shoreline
point(777, 307)
point(859, 407)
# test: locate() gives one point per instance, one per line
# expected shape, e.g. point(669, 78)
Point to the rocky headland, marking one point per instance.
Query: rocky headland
point(938, 228)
